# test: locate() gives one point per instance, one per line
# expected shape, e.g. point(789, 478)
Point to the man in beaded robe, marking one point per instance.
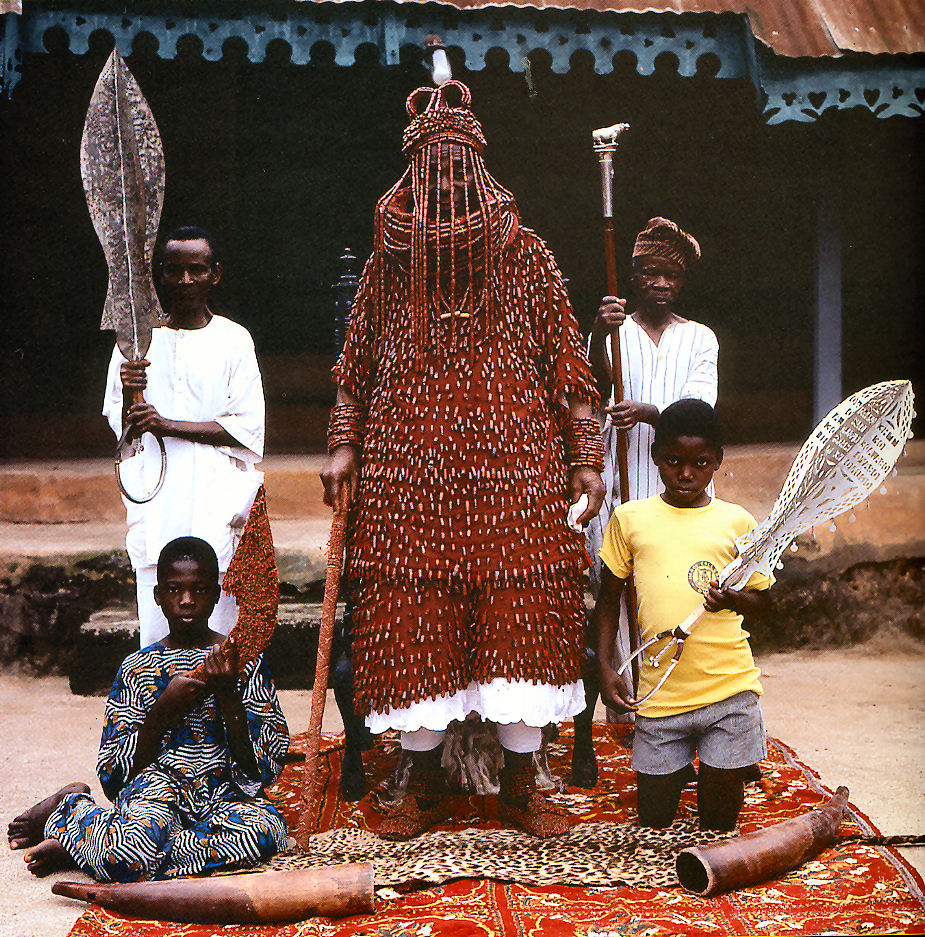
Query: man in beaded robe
point(463, 431)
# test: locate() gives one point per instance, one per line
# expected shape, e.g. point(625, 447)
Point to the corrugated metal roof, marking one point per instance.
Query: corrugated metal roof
point(793, 28)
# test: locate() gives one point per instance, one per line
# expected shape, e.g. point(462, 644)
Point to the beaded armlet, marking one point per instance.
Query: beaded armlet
point(583, 443)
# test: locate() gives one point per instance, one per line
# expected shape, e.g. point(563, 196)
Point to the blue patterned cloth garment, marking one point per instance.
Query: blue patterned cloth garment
point(192, 809)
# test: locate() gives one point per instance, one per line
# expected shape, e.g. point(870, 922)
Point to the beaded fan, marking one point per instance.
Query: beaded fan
point(846, 457)
point(252, 578)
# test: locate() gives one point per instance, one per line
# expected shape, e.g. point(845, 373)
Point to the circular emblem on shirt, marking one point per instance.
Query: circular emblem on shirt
point(700, 575)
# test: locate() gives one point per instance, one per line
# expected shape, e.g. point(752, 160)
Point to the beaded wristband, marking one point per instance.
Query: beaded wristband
point(346, 425)
point(583, 443)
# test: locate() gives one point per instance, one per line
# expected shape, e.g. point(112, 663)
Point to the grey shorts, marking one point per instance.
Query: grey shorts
point(727, 734)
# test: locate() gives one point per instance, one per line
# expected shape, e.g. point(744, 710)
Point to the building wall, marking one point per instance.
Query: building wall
point(284, 164)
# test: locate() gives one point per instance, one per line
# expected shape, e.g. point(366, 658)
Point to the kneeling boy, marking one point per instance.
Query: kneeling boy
point(184, 761)
point(675, 544)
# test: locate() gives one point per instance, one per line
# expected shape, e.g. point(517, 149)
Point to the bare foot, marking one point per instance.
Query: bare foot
point(28, 829)
point(47, 857)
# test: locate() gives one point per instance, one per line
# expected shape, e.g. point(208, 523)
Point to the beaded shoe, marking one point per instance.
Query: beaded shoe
point(537, 816)
point(408, 819)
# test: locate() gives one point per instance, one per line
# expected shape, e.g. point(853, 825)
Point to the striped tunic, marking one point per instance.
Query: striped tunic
point(683, 364)
point(192, 809)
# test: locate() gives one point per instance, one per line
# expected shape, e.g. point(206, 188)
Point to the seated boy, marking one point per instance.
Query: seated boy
point(675, 544)
point(182, 760)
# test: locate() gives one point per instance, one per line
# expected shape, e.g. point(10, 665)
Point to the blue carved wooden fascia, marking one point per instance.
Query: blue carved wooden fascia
point(10, 50)
point(791, 89)
point(803, 89)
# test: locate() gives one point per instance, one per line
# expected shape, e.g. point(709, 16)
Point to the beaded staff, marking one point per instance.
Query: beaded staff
point(845, 458)
point(345, 428)
point(319, 690)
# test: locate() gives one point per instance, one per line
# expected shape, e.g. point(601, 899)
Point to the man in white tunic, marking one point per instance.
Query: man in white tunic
point(204, 398)
point(665, 358)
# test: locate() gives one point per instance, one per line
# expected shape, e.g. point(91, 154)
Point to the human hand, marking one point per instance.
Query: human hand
point(610, 316)
point(584, 480)
point(220, 668)
point(145, 419)
point(718, 600)
point(132, 374)
point(340, 476)
point(182, 694)
point(627, 413)
point(616, 692)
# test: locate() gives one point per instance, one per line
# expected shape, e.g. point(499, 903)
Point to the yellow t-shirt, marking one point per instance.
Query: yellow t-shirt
point(673, 554)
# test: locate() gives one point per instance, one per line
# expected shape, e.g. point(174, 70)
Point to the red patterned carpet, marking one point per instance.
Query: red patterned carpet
point(848, 889)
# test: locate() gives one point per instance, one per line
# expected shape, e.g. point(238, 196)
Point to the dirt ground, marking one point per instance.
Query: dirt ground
point(856, 715)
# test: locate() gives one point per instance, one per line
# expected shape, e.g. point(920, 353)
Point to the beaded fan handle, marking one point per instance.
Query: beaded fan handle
point(253, 579)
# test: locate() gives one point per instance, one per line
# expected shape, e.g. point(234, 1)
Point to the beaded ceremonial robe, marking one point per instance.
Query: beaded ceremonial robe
point(463, 481)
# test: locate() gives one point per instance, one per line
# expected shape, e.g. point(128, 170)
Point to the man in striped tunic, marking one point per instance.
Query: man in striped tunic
point(665, 358)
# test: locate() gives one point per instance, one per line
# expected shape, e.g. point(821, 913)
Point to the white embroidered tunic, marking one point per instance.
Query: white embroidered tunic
point(196, 375)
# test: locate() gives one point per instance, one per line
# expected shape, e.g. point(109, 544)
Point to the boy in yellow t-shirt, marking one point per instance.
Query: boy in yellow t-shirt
point(675, 544)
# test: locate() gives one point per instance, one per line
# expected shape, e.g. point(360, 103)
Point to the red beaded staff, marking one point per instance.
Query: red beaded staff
point(606, 140)
point(320, 688)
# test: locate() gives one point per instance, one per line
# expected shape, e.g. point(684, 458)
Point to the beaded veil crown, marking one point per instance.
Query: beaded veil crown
point(447, 222)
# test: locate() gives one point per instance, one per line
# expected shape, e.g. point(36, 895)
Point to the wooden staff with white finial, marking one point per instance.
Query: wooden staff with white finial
point(606, 140)
point(605, 145)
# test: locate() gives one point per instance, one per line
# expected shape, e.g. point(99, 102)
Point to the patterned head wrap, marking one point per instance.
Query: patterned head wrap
point(663, 238)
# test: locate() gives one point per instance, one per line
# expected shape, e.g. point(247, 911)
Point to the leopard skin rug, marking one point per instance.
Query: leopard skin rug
point(590, 854)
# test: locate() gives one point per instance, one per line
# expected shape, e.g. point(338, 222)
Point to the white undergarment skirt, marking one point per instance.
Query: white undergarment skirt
point(502, 701)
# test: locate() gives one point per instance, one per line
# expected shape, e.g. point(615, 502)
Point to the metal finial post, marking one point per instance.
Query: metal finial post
point(606, 140)
point(439, 64)
point(345, 291)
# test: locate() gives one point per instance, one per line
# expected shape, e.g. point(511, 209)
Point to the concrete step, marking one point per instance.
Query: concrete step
point(60, 513)
point(111, 634)
point(74, 491)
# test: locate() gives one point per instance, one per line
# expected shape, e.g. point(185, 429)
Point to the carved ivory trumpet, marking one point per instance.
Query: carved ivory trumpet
point(755, 857)
point(245, 898)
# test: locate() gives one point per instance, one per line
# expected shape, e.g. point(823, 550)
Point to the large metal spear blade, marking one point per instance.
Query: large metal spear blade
point(122, 166)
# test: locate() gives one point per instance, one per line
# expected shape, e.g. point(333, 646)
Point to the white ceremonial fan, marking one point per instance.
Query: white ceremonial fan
point(845, 459)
